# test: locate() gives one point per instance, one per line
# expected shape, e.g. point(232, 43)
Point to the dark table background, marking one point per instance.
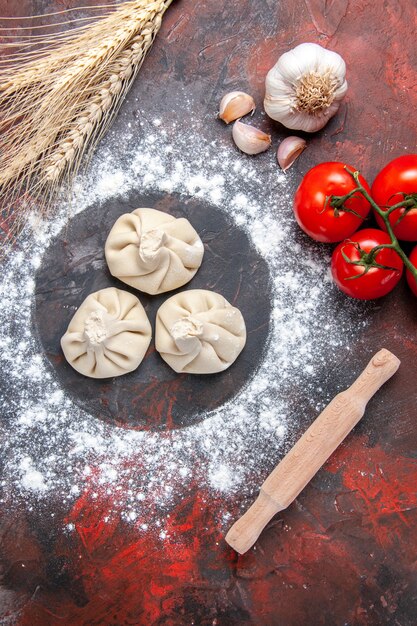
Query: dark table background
point(345, 553)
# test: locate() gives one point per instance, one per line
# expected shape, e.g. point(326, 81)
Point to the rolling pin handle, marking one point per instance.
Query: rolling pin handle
point(247, 529)
point(380, 369)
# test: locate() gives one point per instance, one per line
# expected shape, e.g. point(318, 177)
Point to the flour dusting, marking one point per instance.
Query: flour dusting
point(54, 449)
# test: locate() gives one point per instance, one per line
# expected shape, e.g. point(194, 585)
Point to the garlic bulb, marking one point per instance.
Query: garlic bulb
point(305, 87)
point(234, 105)
point(249, 139)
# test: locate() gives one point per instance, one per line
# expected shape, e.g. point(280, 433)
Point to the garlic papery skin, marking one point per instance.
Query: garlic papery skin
point(305, 87)
point(234, 105)
point(249, 139)
point(289, 150)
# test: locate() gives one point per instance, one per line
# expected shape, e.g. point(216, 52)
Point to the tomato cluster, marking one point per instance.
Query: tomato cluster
point(329, 207)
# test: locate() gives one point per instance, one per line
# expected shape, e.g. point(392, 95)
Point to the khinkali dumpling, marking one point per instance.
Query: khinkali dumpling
point(108, 335)
point(199, 332)
point(153, 251)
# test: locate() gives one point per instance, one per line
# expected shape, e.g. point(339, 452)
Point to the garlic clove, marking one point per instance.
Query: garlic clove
point(289, 150)
point(234, 105)
point(249, 139)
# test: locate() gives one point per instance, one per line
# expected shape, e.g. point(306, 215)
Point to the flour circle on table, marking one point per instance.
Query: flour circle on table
point(153, 397)
point(54, 449)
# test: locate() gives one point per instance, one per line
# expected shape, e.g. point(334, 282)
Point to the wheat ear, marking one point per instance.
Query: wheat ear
point(58, 95)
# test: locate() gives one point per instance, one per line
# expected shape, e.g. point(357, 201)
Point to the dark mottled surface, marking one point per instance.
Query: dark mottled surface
point(154, 396)
point(345, 552)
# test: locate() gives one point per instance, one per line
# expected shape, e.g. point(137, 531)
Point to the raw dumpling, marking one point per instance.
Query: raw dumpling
point(108, 335)
point(199, 332)
point(153, 251)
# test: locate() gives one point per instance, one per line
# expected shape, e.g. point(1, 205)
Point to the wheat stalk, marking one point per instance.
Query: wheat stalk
point(58, 95)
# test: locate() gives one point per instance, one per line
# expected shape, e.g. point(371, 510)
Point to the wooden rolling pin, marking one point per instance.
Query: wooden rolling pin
point(313, 449)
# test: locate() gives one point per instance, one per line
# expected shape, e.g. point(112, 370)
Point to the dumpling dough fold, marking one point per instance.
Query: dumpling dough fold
point(153, 251)
point(108, 335)
point(199, 332)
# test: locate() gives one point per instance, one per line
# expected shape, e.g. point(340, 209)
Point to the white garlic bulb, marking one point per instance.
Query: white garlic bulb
point(305, 87)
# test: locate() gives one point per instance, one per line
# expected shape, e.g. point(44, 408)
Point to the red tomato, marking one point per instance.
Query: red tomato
point(410, 278)
point(376, 282)
point(400, 175)
point(317, 218)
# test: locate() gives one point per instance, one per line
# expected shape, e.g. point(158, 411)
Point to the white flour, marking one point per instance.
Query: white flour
point(52, 449)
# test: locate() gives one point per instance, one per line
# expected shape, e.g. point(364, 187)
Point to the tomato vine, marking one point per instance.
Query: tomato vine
point(408, 202)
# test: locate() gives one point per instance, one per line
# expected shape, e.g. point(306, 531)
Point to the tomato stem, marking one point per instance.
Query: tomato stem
point(367, 260)
point(338, 204)
point(408, 202)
